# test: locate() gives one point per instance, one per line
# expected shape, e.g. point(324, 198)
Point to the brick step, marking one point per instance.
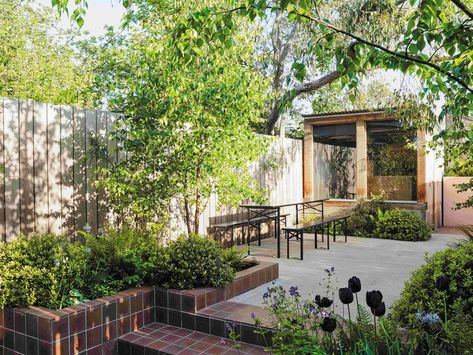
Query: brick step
point(158, 338)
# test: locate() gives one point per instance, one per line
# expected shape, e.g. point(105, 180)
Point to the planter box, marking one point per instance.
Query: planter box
point(93, 327)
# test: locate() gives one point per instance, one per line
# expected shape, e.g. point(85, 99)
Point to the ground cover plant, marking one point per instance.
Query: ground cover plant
point(55, 272)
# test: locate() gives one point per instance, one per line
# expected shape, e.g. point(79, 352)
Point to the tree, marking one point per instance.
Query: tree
point(36, 60)
point(436, 43)
point(286, 51)
point(285, 47)
point(185, 128)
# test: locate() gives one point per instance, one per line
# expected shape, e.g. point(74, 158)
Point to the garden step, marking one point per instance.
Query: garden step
point(158, 338)
point(238, 312)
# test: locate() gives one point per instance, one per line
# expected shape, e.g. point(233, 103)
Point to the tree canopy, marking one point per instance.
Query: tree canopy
point(186, 128)
point(37, 60)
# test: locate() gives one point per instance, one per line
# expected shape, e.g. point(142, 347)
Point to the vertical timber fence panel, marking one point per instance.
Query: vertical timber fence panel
point(48, 160)
point(11, 141)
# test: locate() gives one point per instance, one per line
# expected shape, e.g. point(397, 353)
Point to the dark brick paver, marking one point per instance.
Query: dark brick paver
point(160, 339)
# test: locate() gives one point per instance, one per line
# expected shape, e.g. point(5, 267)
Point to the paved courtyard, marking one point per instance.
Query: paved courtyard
point(380, 264)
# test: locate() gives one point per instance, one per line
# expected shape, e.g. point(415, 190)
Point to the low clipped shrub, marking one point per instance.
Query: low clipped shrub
point(361, 223)
point(122, 259)
point(400, 225)
point(420, 293)
point(421, 302)
point(196, 261)
point(43, 270)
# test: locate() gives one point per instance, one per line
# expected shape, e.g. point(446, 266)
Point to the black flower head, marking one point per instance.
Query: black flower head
point(329, 324)
point(374, 298)
point(380, 310)
point(323, 302)
point(346, 295)
point(442, 283)
point(354, 284)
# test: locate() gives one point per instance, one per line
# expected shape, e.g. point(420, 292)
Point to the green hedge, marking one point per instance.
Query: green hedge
point(53, 272)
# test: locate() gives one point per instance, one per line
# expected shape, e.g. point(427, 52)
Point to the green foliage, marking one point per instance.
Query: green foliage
point(457, 144)
point(297, 323)
point(375, 219)
point(361, 222)
point(238, 258)
point(400, 225)
point(122, 259)
point(420, 294)
point(186, 127)
point(53, 272)
point(43, 270)
point(196, 261)
point(468, 230)
point(36, 60)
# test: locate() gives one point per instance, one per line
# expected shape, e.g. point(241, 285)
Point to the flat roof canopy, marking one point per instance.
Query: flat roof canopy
point(344, 135)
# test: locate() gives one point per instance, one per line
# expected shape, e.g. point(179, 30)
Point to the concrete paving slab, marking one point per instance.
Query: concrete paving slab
point(383, 265)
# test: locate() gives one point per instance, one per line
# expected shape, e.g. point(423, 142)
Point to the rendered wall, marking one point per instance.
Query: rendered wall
point(452, 217)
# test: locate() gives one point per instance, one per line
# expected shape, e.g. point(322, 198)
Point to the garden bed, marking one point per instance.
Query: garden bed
point(95, 325)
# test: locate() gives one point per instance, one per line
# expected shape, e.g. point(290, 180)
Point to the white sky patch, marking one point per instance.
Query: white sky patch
point(100, 13)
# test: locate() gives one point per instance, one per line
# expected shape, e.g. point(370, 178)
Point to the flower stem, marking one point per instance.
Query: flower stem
point(445, 309)
point(349, 320)
point(375, 335)
point(357, 305)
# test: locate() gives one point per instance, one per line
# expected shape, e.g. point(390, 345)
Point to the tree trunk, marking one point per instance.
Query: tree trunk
point(290, 96)
point(188, 215)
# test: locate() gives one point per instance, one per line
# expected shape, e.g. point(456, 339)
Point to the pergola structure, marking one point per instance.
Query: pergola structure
point(352, 129)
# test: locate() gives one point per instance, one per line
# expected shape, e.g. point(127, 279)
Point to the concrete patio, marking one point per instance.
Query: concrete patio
point(380, 264)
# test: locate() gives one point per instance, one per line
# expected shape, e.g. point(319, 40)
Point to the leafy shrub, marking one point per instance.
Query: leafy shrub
point(237, 258)
point(420, 295)
point(361, 223)
point(53, 272)
point(419, 292)
point(123, 259)
point(43, 270)
point(400, 225)
point(195, 261)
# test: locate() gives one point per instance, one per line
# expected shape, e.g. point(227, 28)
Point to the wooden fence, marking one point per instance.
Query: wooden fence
point(49, 173)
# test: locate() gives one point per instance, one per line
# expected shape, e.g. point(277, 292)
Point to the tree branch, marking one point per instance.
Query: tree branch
point(391, 52)
point(302, 89)
point(464, 8)
point(316, 84)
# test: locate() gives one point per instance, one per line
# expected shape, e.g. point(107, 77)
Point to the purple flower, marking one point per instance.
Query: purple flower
point(230, 326)
point(293, 291)
point(332, 268)
point(275, 306)
point(265, 295)
point(253, 315)
point(311, 308)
